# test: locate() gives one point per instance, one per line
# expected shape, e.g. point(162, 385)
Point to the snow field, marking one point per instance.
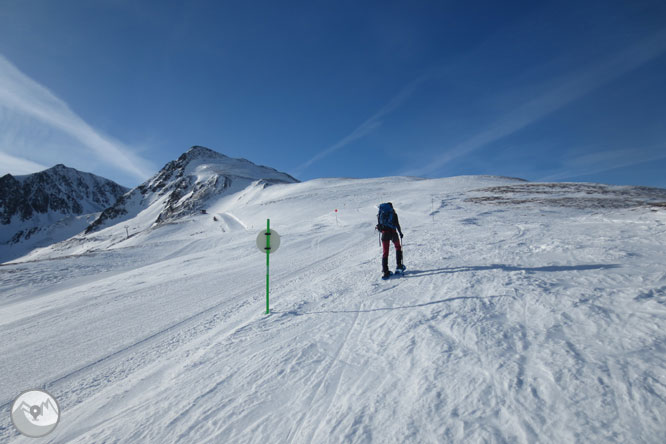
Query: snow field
point(512, 324)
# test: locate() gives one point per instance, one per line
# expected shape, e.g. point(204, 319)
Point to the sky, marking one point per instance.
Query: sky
point(544, 91)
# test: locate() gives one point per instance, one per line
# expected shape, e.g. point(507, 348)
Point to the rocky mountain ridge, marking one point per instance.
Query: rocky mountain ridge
point(184, 185)
point(30, 202)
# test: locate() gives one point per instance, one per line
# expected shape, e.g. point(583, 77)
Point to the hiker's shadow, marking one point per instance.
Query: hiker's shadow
point(547, 269)
point(450, 270)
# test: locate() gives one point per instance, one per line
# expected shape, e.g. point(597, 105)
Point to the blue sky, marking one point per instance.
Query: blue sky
point(556, 91)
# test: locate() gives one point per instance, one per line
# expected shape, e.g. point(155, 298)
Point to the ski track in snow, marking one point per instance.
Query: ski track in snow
point(512, 324)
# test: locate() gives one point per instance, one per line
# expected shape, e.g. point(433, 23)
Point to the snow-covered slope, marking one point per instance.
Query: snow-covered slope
point(522, 318)
point(49, 206)
point(185, 185)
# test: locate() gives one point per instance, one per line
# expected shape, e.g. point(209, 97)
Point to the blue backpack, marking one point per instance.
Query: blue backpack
point(386, 217)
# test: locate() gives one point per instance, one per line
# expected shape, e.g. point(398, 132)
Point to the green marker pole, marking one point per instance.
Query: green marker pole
point(268, 249)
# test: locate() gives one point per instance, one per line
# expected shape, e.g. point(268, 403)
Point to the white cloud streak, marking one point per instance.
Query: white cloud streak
point(21, 94)
point(599, 162)
point(566, 91)
point(17, 165)
point(367, 127)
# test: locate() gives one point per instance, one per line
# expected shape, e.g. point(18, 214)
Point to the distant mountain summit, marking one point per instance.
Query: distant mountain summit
point(200, 162)
point(49, 206)
point(58, 189)
point(183, 186)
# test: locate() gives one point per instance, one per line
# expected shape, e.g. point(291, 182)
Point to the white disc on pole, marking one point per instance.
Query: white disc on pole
point(274, 241)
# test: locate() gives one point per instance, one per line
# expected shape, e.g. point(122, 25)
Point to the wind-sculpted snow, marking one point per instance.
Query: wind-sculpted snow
point(513, 323)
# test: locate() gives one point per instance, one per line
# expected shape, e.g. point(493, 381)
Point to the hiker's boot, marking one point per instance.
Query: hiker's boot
point(398, 260)
point(385, 270)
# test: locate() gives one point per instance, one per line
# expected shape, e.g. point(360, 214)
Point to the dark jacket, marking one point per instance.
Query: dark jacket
point(397, 223)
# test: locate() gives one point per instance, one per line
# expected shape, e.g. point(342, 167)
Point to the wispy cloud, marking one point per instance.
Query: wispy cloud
point(564, 91)
point(22, 95)
point(18, 165)
point(369, 126)
point(602, 161)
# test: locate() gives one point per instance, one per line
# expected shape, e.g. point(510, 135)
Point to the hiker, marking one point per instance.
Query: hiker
point(388, 224)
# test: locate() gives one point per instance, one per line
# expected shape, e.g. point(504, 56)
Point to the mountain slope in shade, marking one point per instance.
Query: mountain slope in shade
point(49, 206)
point(184, 186)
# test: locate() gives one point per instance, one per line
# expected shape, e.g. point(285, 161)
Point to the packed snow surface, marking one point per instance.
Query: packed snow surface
point(518, 320)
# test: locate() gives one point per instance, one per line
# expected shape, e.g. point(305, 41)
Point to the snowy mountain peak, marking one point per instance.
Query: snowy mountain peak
point(201, 163)
point(201, 152)
point(59, 167)
point(48, 206)
point(58, 189)
point(183, 186)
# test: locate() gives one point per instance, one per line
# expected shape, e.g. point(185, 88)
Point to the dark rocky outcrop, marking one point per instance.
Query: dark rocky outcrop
point(57, 192)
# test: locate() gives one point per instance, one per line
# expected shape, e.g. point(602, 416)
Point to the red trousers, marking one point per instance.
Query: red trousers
point(387, 237)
